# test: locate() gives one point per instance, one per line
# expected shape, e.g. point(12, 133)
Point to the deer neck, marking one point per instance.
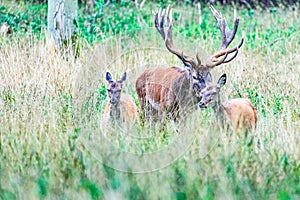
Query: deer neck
point(185, 94)
point(189, 85)
point(183, 83)
point(219, 112)
point(115, 111)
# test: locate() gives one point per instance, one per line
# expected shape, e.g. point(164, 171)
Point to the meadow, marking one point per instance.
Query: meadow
point(52, 142)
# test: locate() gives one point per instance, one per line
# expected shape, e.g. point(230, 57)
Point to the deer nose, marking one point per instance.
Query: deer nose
point(112, 101)
point(201, 104)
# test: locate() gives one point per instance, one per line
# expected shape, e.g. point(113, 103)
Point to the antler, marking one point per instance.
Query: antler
point(227, 37)
point(163, 23)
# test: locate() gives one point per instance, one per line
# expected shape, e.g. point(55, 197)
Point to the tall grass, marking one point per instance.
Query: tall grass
point(52, 144)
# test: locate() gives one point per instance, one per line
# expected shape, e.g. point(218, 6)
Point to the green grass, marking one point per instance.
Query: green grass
point(52, 141)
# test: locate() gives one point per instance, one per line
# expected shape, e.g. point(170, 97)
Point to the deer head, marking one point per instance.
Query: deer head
point(114, 88)
point(211, 93)
point(239, 112)
point(198, 70)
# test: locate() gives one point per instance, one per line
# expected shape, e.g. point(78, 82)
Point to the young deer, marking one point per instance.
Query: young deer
point(171, 91)
point(121, 108)
point(239, 113)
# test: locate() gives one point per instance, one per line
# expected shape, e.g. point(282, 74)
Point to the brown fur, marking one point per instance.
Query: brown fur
point(241, 114)
point(129, 111)
point(165, 89)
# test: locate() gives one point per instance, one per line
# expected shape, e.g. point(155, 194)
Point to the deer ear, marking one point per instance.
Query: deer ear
point(123, 78)
point(208, 77)
point(108, 77)
point(222, 81)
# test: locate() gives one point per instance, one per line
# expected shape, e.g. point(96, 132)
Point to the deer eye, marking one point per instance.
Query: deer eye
point(108, 90)
point(196, 87)
point(195, 77)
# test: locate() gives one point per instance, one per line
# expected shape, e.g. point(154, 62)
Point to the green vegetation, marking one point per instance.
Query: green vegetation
point(51, 136)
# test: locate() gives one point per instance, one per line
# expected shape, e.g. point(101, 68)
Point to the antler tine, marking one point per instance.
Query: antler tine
point(214, 63)
point(230, 59)
point(159, 23)
point(216, 14)
point(227, 37)
point(198, 59)
point(227, 34)
point(221, 53)
point(163, 23)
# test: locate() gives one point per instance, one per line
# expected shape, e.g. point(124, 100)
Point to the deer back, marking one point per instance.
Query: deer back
point(163, 86)
point(241, 114)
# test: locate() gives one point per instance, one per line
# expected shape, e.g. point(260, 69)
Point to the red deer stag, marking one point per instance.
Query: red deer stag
point(171, 90)
point(121, 108)
point(239, 113)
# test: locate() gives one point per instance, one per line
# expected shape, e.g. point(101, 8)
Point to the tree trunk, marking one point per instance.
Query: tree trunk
point(62, 19)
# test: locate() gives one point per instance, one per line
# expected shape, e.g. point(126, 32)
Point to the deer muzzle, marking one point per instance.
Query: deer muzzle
point(201, 104)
